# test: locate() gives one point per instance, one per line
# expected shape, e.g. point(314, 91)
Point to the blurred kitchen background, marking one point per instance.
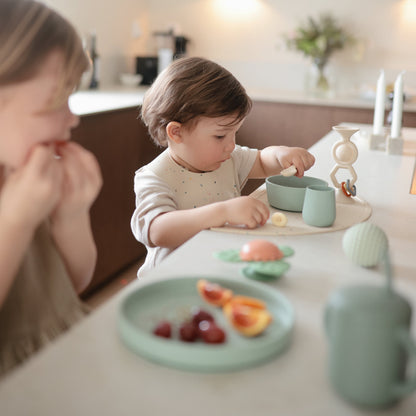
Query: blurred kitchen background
point(246, 36)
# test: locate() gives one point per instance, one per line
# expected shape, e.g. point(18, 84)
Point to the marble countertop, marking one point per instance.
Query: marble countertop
point(88, 102)
point(117, 97)
point(89, 371)
point(299, 97)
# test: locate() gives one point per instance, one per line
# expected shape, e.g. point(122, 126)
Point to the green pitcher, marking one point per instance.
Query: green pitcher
point(369, 345)
point(368, 329)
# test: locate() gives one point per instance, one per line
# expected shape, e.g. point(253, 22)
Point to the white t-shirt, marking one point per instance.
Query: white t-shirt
point(163, 186)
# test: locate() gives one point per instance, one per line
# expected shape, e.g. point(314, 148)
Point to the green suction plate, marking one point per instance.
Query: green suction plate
point(150, 303)
point(258, 270)
point(269, 270)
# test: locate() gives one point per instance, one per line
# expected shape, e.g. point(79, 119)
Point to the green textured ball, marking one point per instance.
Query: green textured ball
point(365, 244)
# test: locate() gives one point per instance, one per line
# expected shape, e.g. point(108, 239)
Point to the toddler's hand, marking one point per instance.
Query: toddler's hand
point(247, 211)
point(31, 192)
point(301, 158)
point(81, 181)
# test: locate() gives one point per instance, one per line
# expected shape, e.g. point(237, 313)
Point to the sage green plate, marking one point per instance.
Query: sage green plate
point(172, 299)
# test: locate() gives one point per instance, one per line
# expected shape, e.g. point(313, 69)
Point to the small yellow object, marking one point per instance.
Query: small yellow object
point(279, 219)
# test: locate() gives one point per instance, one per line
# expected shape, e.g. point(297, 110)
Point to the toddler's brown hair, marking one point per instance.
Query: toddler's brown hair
point(190, 88)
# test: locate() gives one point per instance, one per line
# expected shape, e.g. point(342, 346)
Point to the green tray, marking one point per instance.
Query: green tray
point(172, 299)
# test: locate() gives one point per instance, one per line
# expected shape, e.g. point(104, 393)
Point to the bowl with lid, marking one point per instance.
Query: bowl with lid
point(288, 192)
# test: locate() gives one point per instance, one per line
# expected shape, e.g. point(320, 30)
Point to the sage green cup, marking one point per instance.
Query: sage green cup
point(319, 207)
point(370, 346)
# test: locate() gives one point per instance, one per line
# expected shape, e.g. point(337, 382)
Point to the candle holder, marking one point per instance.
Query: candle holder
point(378, 141)
point(394, 146)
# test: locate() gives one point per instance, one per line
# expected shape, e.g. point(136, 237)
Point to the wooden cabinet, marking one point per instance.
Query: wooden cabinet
point(272, 123)
point(121, 144)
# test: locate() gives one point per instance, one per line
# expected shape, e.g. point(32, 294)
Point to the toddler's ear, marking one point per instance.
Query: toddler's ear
point(173, 130)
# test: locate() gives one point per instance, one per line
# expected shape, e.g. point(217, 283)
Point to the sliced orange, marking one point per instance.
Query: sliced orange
point(248, 321)
point(248, 301)
point(213, 293)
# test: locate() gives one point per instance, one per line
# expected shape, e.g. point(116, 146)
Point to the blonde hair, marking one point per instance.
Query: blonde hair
point(29, 32)
point(190, 88)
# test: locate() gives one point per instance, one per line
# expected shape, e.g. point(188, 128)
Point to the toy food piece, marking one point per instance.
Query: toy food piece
point(201, 326)
point(290, 171)
point(163, 329)
point(213, 293)
point(188, 332)
point(279, 219)
point(248, 316)
point(260, 250)
point(248, 301)
point(199, 315)
point(211, 333)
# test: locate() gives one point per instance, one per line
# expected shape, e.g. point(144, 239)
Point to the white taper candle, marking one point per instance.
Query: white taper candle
point(379, 106)
point(396, 120)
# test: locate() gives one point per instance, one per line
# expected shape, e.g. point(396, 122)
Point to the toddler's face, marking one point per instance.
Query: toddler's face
point(26, 121)
point(207, 145)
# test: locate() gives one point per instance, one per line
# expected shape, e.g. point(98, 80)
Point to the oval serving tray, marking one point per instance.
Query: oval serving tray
point(172, 299)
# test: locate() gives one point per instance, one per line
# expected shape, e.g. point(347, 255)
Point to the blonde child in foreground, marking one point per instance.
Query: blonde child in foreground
point(47, 185)
point(195, 108)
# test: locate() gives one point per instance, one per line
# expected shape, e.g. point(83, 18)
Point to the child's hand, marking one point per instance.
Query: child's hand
point(81, 181)
point(297, 156)
point(247, 211)
point(30, 192)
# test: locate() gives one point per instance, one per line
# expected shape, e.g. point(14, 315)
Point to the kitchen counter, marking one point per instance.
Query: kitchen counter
point(299, 97)
point(88, 102)
point(115, 97)
point(89, 371)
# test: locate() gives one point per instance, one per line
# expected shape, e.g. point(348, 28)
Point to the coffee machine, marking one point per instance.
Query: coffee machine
point(169, 47)
point(180, 47)
point(147, 67)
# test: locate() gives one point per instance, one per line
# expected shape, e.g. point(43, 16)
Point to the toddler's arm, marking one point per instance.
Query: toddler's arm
point(273, 159)
point(28, 194)
point(70, 221)
point(173, 228)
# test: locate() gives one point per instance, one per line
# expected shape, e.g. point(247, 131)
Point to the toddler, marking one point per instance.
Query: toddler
point(47, 185)
point(195, 108)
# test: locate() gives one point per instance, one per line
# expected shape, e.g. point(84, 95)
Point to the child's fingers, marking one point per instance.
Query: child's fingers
point(41, 159)
point(300, 171)
point(263, 211)
point(302, 165)
point(34, 188)
point(43, 169)
point(308, 160)
point(82, 163)
point(259, 215)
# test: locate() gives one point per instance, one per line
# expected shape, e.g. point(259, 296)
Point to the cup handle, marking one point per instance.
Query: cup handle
point(327, 312)
point(407, 386)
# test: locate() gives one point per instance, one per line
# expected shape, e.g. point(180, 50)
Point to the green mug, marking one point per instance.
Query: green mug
point(370, 345)
point(319, 208)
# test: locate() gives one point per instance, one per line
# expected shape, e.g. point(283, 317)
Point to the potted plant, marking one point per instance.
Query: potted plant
point(318, 39)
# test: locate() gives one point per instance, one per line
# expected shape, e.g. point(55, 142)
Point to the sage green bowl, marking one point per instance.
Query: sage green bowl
point(288, 192)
